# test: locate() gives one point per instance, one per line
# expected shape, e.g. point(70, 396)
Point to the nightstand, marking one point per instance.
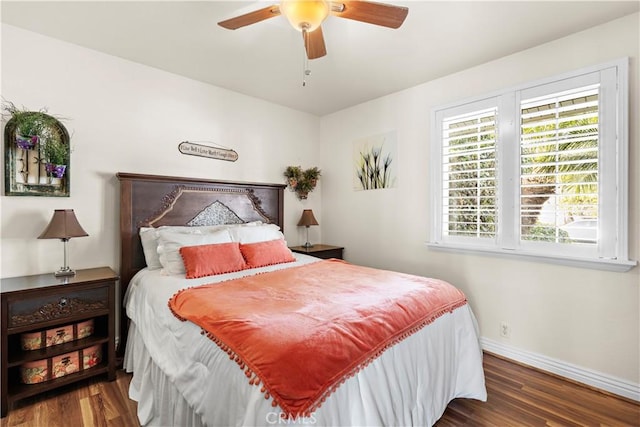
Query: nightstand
point(320, 251)
point(45, 305)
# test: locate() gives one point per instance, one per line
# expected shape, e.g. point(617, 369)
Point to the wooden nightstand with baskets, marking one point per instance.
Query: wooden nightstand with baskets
point(56, 331)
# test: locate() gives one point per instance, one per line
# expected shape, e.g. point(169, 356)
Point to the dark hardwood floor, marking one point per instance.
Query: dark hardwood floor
point(96, 402)
point(523, 396)
point(518, 396)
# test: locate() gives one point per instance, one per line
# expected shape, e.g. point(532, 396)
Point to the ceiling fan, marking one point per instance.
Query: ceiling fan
point(307, 16)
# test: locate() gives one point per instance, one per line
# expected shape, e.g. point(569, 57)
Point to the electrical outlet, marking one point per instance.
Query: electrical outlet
point(505, 330)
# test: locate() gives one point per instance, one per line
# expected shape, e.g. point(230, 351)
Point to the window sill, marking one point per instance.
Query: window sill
point(615, 265)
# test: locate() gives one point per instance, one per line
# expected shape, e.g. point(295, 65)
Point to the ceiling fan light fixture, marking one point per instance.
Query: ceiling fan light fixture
point(305, 15)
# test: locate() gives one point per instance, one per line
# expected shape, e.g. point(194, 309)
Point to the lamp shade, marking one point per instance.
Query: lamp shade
point(63, 225)
point(307, 218)
point(305, 15)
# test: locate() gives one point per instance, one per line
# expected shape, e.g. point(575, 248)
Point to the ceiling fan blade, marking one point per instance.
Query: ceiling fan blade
point(314, 44)
point(386, 15)
point(250, 18)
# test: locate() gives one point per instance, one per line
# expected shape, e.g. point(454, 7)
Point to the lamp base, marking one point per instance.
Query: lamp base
point(65, 271)
point(307, 245)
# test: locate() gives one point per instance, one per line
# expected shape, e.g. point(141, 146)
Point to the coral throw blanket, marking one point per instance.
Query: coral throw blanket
point(301, 332)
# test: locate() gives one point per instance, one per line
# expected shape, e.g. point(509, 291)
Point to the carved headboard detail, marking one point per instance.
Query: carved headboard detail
point(241, 202)
point(154, 200)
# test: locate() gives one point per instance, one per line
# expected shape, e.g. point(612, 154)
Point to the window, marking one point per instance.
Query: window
point(539, 170)
point(469, 174)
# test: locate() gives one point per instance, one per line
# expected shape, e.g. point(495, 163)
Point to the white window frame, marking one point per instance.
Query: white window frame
point(611, 251)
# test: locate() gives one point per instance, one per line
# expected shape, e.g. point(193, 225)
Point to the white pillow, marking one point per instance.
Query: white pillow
point(149, 240)
point(170, 242)
point(149, 237)
point(255, 234)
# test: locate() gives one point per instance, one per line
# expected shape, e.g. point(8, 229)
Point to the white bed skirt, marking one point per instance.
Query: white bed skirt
point(372, 397)
point(159, 401)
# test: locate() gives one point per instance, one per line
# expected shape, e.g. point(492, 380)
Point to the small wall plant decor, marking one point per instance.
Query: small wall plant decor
point(302, 181)
point(36, 153)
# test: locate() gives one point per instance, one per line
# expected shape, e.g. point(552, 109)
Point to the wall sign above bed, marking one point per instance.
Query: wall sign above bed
point(213, 152)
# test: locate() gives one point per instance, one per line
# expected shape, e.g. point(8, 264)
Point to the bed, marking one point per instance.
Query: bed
point(183, 376)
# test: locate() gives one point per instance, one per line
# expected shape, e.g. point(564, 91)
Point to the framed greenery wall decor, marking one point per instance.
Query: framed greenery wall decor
point(37, 154)
point(302, 181)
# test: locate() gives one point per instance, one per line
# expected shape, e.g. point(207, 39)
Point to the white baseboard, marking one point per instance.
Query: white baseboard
point(587, 376)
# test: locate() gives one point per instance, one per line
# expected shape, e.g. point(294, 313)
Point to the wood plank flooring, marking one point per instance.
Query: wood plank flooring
point(518, 396)
point(95, 402)
point(523, 396)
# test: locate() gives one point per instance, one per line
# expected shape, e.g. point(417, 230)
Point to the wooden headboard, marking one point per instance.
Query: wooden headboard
point(153, 201)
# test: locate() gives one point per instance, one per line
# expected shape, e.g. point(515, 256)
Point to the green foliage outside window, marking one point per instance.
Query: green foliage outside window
point(558, 159)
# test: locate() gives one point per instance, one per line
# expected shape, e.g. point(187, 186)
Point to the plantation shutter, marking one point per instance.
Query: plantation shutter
point(469, 205)
point(559, 137)
point(538, 171)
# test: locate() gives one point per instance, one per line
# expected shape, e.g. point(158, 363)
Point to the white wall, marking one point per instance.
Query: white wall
point(126, 117)
point(587, 318)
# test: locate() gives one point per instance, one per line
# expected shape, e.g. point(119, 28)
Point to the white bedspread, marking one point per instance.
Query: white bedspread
point(173, 364)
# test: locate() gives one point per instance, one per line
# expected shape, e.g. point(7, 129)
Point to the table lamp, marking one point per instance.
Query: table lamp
point(63, 226)
point(307, 219)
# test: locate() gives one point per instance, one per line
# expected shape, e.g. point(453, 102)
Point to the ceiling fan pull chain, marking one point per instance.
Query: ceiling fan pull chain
point(305, 61)
point(306, 71)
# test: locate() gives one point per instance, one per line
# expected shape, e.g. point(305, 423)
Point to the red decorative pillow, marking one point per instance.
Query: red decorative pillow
point(207, 260)
point(266, 253)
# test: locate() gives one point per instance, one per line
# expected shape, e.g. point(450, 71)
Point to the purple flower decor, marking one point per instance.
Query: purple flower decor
point(27, 142)
point(56, 171)
point(59, 171)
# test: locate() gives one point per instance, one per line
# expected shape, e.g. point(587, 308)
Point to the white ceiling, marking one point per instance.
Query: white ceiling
point(265, 60)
